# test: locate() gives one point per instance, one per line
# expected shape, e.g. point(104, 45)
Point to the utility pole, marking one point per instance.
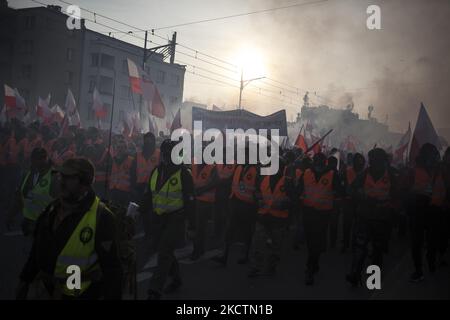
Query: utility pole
point(172, 47)
point(244, 83)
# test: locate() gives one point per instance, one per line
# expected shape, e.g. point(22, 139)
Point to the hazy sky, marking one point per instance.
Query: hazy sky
point(322, 47)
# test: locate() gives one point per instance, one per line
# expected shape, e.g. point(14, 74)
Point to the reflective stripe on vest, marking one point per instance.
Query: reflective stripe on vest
point(80, 250)
point(439, 192)
point(318, 194)
point(170, 197)
point(273, 200)
point(243, 188)
point(120, 175)
point(422, 182)
point(201, 179)
point(145, 167)
point(377, 190)
point(38, 197)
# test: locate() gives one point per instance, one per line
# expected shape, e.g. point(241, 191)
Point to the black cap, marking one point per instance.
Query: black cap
point(80, 167)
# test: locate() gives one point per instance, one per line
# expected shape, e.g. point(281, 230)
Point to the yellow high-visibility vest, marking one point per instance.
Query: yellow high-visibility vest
point(170, 197)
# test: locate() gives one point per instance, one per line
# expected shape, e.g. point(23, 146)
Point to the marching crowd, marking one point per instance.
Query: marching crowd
point(63, 182)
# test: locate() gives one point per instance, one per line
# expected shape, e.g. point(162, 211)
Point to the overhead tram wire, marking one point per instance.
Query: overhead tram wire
point(241, 14)
point(137, 29)
point(180, 52)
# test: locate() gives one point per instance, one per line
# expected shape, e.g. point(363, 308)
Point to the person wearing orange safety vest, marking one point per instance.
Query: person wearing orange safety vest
point(295, 171)
point(147, 159)
point(317, 188)
point(424, 220)
point(374, 191)
point(271, 224)
point(205, 181)
point(122, 176)
point(221, 207)
point(243, 209)
point(349, 204)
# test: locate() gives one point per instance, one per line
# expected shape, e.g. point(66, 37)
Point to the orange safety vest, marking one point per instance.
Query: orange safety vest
point(100, 175)
point(318, 194)
point(422, 181)
point(439, 192)
point(144, 167)
point(350, 175)
point(120, 175)
point(225, 171)
point(273, 199)
point(202, 178)
point(243, 188)
point(377, 190)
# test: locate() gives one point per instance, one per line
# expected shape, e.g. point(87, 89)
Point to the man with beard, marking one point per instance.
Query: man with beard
point(75, 229)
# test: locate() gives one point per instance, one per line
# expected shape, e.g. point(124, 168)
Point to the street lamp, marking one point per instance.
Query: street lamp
point(244, 83)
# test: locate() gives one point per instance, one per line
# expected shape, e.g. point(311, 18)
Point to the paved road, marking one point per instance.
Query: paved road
point(204, 279)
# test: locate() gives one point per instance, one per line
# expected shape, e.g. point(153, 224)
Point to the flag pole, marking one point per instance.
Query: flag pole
point(318, 141)
point(107, 171)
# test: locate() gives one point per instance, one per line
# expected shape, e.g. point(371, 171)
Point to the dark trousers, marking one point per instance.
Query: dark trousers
point(316, 228)
point(297, 220)
point(333, 226)
point(267, 243)
point(348, 217)
point(221, 215)
point(375, 231)
point(241, 224)
point(425, 228)
point(445, 231)
point(168, 229)
point(203, 211)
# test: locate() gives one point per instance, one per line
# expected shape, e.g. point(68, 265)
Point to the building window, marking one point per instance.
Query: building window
point(125, 66)
point(92, 83)
point(94, 59)
point(125, 91)
point(107, 61)
point(26, 47)
point(26, 71)
point(69, 54)
point(106, 85)
point(160, 75)
point(30, 22)
point(69, 77)
point(174, 80)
